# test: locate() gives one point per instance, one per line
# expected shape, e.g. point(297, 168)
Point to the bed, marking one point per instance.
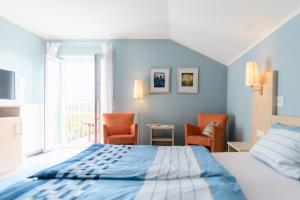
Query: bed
point(257, 180)
point(151, 172)
point(234, 176)
point(132, 172)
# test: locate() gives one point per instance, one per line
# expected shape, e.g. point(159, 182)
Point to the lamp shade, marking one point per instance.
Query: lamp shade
point(138, 92)
point(252, 74)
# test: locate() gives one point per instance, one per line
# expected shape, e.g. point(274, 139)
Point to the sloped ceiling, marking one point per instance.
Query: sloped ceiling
point(219, 29)
point(224, 29)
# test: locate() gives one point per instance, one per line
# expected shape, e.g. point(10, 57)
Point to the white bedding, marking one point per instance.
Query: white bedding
point(257, 180)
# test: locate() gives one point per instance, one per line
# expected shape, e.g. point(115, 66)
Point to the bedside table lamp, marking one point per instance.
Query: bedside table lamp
point(138, 93)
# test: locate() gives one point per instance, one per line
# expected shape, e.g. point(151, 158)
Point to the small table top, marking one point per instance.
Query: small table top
point(240, 146)
point(161, 126)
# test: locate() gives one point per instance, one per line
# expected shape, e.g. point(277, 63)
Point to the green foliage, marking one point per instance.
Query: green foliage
point(79, 118)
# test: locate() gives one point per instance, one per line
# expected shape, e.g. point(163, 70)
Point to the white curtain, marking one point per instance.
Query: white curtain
point(104, 85)
point(106, 78)
point(52, 100)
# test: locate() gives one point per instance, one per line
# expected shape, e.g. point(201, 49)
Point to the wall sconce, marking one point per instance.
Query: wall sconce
point(253, 79)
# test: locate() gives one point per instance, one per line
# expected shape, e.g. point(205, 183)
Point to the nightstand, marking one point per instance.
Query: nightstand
point(239, 146)
point(167, 138)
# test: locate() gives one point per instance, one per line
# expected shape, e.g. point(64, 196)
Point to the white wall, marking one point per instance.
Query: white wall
point(32, 128)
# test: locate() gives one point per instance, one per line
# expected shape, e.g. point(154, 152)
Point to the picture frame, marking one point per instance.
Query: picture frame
point(187, 80)
point(160, 80)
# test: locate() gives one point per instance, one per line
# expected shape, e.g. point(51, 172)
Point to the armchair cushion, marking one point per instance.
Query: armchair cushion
point(199, 139)
point(121, 139)
point(119, 130)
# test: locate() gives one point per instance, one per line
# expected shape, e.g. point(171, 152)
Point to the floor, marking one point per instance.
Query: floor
point(36, 163)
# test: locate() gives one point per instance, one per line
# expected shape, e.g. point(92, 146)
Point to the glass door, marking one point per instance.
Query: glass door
point(78, 100)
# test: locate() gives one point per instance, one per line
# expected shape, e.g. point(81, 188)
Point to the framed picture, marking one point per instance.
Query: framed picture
point(160, 80)
point(187, 80)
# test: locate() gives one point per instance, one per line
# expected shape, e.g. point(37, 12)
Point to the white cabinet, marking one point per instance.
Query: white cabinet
point(10, 139)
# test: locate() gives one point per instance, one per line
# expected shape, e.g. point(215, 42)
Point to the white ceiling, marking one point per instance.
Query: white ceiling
point(219, 29)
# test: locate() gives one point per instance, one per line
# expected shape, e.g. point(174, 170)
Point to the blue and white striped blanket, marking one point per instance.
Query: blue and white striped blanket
point(217, 188)
point(123, 162)
point(132, 172)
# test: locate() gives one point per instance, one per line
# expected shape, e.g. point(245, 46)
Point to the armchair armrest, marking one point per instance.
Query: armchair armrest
point(134, 129)
point(105, 133)
point(190, 129)
point(218, 140)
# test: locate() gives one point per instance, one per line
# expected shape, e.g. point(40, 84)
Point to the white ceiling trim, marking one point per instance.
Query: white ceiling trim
point(294, 14)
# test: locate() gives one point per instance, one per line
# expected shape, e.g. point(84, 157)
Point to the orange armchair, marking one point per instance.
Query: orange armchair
point(215, 143)
point(118, 128)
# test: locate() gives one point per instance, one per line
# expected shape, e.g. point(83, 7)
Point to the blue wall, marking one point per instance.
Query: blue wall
point(280, 51)
point(133, 60)
point(22, 52)
point(220, 87)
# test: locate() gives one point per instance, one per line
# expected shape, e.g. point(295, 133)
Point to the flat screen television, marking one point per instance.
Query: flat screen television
point(7, 85)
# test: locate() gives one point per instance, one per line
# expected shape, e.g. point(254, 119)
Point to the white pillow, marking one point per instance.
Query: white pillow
point(280, 148)
point(209, 128)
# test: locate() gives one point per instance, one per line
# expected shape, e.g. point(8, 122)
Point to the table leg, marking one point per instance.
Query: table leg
point(173, 137)
point(151, 132)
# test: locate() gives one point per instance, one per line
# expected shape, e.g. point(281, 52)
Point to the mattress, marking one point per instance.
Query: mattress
point(257, 180)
